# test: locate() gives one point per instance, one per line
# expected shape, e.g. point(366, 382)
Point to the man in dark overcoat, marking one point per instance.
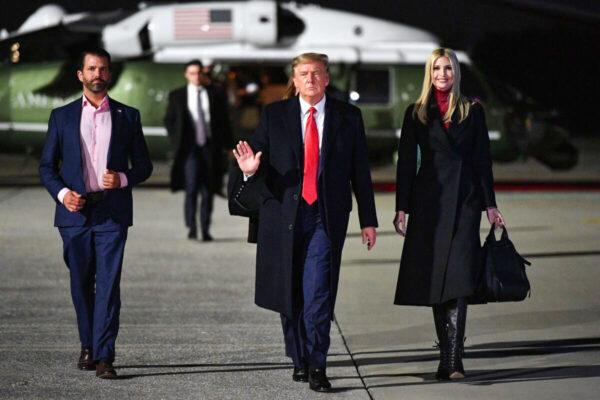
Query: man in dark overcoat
point(307, 154)
point(197, 121)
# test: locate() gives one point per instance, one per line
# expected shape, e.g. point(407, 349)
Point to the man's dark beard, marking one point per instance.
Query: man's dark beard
point(96, 86)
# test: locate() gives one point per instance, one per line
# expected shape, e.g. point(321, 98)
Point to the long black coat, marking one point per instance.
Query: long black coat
point(343, 168)
point(180, 127)
point(444, 200)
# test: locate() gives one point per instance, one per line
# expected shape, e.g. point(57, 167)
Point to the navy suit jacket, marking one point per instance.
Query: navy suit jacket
point(61, 164)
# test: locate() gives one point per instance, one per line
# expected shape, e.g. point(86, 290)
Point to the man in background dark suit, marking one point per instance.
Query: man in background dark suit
point(306, 156)
point(197, 121)
point(93, 155)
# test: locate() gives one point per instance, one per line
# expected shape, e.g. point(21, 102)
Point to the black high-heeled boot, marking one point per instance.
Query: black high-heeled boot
point(456, 314)
point(441, 329)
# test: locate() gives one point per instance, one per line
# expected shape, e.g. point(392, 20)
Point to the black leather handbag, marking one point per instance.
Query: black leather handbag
point(502, 274)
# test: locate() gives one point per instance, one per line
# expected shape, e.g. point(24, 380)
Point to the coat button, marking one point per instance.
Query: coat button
point(296, 196)
point(290, 227)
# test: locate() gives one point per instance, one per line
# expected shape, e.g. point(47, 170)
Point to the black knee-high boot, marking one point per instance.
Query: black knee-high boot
point(441, 329)
point(456, 315)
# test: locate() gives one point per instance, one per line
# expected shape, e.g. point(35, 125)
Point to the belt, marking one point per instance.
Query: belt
point(94, 197)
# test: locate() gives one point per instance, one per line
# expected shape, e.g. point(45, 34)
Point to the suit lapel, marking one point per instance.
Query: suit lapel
point(293, 125)
point(76, 129)
point(72, 133)
point(115, 116)
point(330, 128)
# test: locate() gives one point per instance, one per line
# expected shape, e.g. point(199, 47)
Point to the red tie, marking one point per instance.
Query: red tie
point(311, 159)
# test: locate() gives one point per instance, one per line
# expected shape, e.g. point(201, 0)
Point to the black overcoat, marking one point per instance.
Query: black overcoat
point(444, 198)
point(182, 134)
point(344, 167)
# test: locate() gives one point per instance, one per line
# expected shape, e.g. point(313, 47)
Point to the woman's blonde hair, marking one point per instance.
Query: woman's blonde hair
point(456, 100)
point(290, 90)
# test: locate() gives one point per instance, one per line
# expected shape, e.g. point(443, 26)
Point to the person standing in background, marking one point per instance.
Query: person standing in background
point(197, 121)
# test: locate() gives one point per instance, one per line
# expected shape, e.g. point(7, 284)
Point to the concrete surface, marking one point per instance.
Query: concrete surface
point(189, 329)
point(189, 326)
point(546, 347)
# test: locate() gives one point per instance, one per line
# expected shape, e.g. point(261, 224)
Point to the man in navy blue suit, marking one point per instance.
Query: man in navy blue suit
point(94, 154)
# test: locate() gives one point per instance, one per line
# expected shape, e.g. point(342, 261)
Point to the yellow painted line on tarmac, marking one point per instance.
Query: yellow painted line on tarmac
point(592, 221)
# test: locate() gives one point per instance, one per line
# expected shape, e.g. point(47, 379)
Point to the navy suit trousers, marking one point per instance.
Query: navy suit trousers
point(198, 180)
point(306, 335)
point(94, 255)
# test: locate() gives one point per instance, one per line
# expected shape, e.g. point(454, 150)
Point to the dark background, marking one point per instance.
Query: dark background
point(546, 49)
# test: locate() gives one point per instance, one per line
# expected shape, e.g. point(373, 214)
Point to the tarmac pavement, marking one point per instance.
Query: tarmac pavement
point(189, 328)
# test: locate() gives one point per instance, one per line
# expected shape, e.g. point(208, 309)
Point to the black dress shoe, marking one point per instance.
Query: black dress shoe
point(105, 370)
point(206, 237)
point(317, 380)
point(192, 235)
point(300, 374)
point(86, 362)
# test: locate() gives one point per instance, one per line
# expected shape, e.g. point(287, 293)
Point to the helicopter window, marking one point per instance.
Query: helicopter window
point(372, 86)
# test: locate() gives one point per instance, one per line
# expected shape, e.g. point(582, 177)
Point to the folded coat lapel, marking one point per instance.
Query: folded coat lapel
point(436, 130)
point(456, 129)
point(330, 127)
point(293, 130)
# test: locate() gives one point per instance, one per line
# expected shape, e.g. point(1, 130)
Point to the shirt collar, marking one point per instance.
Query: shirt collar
point(320, 106)
point(103, 104)
point(194, 88)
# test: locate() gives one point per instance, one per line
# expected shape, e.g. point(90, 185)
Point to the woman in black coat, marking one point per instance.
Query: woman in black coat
point(444, 182)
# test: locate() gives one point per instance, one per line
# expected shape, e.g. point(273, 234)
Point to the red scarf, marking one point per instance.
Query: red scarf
point(443, 102)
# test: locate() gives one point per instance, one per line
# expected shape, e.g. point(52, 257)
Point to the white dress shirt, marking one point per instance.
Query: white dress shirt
point(192, 101)
point(95, 131)
point(319, 116)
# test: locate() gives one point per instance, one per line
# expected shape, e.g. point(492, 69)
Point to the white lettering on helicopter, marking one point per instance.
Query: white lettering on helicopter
point(25, 100)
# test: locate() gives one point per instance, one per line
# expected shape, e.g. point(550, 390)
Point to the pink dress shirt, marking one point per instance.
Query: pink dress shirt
point(95, 132)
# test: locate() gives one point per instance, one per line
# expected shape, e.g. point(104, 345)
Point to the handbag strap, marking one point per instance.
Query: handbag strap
point(492, 237)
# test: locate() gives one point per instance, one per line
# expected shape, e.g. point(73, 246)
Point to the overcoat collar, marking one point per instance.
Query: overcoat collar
point(331, 124)
point(293, 129)
point(448, 139)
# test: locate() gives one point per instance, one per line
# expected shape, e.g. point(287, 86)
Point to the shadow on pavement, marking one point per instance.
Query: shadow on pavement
point(491, 350)
point(495, 350)
point(199, 369)
point(491, 377)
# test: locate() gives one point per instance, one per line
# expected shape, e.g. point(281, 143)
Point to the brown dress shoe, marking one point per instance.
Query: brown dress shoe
point(86, 362)
point(105, 370)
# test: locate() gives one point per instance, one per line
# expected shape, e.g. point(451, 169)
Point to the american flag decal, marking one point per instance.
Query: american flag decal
point(201, 23)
